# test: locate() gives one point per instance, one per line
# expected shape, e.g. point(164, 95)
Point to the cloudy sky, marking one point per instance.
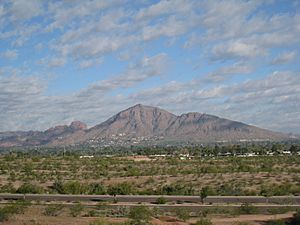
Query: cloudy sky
point(86, 60)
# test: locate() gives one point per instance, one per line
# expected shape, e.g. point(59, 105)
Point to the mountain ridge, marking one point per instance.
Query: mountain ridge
point(141, 123)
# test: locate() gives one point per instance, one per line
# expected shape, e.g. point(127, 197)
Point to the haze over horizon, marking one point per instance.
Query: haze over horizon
point(62, 61)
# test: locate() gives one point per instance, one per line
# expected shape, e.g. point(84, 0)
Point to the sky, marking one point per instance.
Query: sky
point(69, 60)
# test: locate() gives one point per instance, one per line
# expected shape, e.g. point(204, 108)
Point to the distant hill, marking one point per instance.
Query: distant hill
point(141, 123)
point(37, 138)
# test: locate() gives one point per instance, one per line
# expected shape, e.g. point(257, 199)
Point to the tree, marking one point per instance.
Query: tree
point(206, 191)
point(294, 149)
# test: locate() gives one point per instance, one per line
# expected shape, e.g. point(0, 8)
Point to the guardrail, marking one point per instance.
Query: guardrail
point(290, 200)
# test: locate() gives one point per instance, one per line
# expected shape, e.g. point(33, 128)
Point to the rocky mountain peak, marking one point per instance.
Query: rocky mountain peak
point(141, 122)
point(78, 125)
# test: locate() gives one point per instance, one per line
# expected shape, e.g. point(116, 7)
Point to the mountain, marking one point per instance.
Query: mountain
point(135, 121)
point(35, 138)
point(144, 124)
point(140, 124)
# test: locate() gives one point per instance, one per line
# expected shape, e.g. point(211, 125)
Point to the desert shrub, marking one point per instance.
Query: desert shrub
point(75, 210)
point(279, 210)
point(96, 189)
point(176, 189)
point(296, 219)
point(161, 200)
point(53, 210)
point(183, 214)
point(58, 186)
point(8, 188)
point(204, 221)
point(247, 208)
point(121, 189)
point(229, 189)
point(3, 215)
point(99, 222)
point(103, 222)
point(206, 191)
point(279, 189)
point(26, 188)
point(241, 223)
point(276, 222)
point(32, 222)
point(140, 214)
point(73, 187)
point(15, 208)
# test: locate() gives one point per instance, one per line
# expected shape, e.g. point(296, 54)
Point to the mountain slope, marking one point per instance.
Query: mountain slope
point(144, 122)
point(204, 127)
point(35, 138)
point(135, 121)
point(139, 123)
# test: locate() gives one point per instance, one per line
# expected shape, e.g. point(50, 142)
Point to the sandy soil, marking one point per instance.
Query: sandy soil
point(34, 213)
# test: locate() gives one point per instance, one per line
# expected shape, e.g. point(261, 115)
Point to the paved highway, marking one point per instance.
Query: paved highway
point(289, 200)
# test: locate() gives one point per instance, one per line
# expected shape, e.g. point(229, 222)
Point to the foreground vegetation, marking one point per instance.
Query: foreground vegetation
point(268, 170)
point(135, 215)
point(184, 172)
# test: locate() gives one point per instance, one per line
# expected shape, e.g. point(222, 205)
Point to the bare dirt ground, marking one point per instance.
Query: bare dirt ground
point(35, 214)
point(252, 219)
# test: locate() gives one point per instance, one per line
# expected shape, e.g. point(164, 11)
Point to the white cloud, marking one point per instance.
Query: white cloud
point(236, 50)
point(146, 68)
point(53, 62)
point(229, 38)
point(10, 54)
point(90, 62)
point(252, 101)
point(63, 13)
point(25, 9)
point(227, 72)
point(2, 12)
point(284, 57)
point(164, 7)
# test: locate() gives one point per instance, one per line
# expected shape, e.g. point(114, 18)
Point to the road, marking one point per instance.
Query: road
point(287, 200)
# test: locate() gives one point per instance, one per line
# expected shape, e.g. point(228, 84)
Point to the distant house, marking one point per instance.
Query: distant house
point(286, 152)
point(86, 156)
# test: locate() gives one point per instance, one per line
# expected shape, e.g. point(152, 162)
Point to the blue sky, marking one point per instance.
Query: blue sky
point(86, 60)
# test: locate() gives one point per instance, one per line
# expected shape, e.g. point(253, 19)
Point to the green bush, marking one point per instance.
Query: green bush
point(28, 188)
point(53, 210)
point(204, 221)
point(183, 214)
point(58, 186)
point(96, 189)
point(161, 200)
point(3, 215)
point(296, 219)
point(121, 189)
point(33, 222)
point(75, 210)
point(15, 208)
point(103, 222)
point(276, 222)
point(74, 188)
point(206, 191)
point(241, 223)
point(140, 214)
point(247, 208)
